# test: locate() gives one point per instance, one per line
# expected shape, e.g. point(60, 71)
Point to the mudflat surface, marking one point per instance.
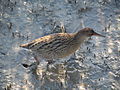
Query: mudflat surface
point(96, 66)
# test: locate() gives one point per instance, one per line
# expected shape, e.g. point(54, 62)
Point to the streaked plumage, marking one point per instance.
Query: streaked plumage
point(58, 45)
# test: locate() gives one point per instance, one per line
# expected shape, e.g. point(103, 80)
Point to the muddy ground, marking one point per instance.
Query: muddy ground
point(96, 66)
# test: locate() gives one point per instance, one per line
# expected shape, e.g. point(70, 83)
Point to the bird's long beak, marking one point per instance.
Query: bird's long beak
point(96, 34)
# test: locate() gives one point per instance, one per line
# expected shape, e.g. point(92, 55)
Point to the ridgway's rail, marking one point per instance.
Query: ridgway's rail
point(59, 45)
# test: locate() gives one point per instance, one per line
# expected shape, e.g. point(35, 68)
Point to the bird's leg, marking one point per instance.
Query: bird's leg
point(36, 59)
point(49, 63)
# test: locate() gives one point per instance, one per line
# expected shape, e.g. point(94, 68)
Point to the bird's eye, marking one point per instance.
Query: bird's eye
point(91, 31)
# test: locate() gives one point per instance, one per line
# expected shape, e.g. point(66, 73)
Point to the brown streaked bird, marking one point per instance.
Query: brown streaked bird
point(59, 45)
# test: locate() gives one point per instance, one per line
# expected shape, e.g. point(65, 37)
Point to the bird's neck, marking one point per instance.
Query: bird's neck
point(80, 38)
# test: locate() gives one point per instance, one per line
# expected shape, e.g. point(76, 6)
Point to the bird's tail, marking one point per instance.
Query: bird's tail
point(28, 45)
point(25, 46)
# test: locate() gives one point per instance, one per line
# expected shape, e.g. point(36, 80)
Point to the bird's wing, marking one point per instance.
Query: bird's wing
point(49, 39)
point(34, 42)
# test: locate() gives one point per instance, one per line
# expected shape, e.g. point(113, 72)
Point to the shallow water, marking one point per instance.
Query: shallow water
point(96, 66)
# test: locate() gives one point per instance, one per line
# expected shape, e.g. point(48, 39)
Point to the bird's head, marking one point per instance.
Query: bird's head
point(89, 32)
